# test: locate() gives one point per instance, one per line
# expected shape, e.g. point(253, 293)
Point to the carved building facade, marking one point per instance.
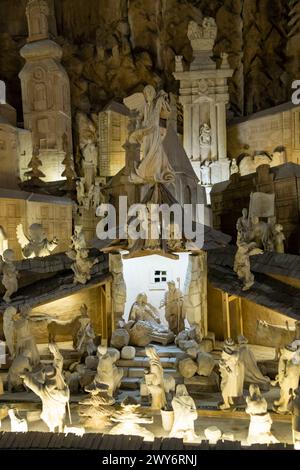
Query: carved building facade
point(230, 197)
point(45, 92)
point(275, 131)
point(15, 145)
point(113, 122)
point(20, 207)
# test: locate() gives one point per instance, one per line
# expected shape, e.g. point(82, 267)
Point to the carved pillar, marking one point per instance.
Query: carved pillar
point(222, 137)
point(187, 129)
point(195, 131)
point(195, 293)
point(213, 126)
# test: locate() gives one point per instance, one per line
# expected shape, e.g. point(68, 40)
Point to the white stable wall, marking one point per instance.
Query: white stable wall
point(138, 275)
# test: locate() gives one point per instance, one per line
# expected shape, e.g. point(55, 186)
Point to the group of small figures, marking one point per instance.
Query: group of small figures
point(90, 198)
point(238, 366)
point(253, 238)
point(37, 245)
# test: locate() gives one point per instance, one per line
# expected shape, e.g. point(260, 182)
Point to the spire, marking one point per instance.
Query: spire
point(37, 12)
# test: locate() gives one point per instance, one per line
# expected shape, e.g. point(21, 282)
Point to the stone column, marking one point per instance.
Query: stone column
point(195, 293)
point(187, 129)
point(213, 126)
point(222, 138)
point(195, 131)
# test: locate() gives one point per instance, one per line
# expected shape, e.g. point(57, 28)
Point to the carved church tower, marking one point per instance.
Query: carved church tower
point(45, 92)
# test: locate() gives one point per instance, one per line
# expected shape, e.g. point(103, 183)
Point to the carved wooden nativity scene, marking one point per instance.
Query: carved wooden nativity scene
point(149, 224)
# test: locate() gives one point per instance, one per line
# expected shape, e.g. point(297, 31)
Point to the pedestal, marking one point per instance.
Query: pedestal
point(220, 171)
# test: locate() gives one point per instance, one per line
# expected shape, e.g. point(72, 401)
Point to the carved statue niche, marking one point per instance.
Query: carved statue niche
point(37, 244)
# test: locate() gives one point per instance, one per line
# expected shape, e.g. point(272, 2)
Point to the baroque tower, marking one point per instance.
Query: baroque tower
point(45, 92)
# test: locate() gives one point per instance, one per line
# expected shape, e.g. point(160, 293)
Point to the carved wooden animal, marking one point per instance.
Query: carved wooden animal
point(64, 328)
point(276, 336)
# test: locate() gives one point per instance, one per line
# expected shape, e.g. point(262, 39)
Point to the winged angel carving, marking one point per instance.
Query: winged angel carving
point(150, 106)
point(36, 244)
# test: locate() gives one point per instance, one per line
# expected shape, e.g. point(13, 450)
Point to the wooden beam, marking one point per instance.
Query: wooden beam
point(240, 310)
point(226, 315)
point(108, 310)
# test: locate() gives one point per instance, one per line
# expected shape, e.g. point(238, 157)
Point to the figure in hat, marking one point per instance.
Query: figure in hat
point(287, 378)
point(232, 374)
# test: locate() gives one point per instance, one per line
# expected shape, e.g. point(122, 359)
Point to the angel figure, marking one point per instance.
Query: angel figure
point(37, 243)
point(78, 239)
point(242, 263)
point(154, 166)
point(82, 265)
point(10, 274)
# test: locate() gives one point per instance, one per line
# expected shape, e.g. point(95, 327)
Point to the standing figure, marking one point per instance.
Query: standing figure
point(52, 390)
point(287, 378)
point(295, 409)
point(252, 373)
point(80, 190)
point(243, 226)
point(98, 196)
point(242, 263)
point(234, 167)
point(155, 379)
point(107, 372)
point(260, 420)
point(154, 166)
point(84, 341)
point(279, 238)
point(173, 303)
point(205, 171)
point(25, 340)
point(10, 274)
point(185, 415)
point(232, 375)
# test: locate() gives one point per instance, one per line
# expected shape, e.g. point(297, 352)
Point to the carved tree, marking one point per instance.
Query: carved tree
point(69, 172)
point(35, 174)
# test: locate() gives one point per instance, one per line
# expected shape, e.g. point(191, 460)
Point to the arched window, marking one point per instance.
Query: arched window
point(40, 97)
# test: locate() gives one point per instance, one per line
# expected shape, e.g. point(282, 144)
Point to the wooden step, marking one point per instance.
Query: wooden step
point(143, 362)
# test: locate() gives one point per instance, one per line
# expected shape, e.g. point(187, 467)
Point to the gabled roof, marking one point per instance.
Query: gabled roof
point(177, 157)
point(116, 108)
